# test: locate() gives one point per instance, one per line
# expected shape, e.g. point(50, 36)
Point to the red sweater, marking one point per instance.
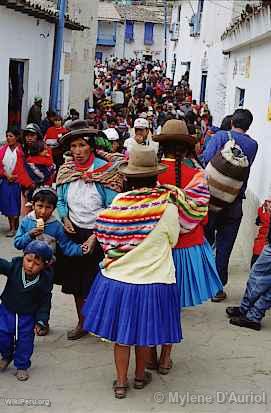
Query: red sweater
point(195, 237)
point(55, 133)
point(262, 238)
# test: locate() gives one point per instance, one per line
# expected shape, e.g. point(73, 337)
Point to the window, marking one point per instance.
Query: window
point(148, 35)
point(239, 97)
point(129, 31)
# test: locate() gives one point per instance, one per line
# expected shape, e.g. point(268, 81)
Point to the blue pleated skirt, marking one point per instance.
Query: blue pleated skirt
point(196, 274)
point(132, 314)
point(10, 198)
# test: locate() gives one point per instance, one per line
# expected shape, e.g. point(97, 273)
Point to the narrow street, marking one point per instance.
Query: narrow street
point(214, 357)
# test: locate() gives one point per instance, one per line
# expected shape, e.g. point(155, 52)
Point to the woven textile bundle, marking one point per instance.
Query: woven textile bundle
point(227, 172)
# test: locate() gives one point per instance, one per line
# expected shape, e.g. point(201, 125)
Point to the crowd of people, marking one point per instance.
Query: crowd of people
point(142, 230)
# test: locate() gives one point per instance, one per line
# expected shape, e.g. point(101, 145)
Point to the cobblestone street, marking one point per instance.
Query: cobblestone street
point(214, 357)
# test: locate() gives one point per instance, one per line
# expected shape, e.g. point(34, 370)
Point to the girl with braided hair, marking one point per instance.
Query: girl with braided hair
point(196, 273)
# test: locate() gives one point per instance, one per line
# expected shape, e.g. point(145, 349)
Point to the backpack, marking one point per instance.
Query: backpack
point(227, 172)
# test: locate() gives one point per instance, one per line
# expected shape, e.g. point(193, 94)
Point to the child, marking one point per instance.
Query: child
point(54, 133)
point(263, 222)
point(52, 137)
point(257, 297)
point(25, 305)
point(12, 176)
point(42, 225)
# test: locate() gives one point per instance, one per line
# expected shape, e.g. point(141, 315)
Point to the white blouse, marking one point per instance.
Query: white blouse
point(85, 203)
point(10, 160)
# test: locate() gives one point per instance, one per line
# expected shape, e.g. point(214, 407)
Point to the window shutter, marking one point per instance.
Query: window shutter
point(148, 35)
point(129, 30)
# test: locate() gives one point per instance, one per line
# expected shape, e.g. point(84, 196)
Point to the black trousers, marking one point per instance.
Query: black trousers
point(221, 232)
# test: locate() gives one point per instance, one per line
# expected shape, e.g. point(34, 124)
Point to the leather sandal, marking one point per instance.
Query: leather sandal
point(120, 390)
point(140, 384)
point(4, 363)
point(165, 370)
point(76, 334)
point(44, 331)
point(22, 375)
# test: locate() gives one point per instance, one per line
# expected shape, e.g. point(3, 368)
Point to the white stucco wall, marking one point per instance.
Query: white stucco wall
point(204, 52)
point(136, 48)
point(257, 84)
point(83, 52)
point(22, 38)
point(33, 43)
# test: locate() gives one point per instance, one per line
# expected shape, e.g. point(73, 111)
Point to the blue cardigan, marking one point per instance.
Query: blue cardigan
point(107, 195)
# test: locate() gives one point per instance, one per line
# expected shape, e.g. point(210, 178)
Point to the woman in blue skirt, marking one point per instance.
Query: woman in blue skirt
point(134, 299)
point(196, 273)
point(11, 164)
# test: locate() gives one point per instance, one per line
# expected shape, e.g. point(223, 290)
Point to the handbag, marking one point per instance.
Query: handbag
point(227, 172)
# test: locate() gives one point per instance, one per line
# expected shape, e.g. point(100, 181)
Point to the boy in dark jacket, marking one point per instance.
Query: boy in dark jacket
point(25, 305)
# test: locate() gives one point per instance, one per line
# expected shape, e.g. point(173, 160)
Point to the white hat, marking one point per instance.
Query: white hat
point(111, 134)
point(143, 115)
point(141, 123)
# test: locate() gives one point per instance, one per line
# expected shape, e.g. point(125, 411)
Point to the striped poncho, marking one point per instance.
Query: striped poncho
point(133, 215)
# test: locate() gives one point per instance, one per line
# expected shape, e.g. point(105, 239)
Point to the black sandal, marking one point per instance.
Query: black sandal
point(140, 384)
point(120, 390)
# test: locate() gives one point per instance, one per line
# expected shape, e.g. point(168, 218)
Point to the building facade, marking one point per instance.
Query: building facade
point(226, 48)
point(82, 58)
point(130, 31)
point(26, 56)
point(247, 43)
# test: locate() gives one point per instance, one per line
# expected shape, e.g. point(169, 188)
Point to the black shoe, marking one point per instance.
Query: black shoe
point(242, 321)
point(233, 311)
point(220, 296)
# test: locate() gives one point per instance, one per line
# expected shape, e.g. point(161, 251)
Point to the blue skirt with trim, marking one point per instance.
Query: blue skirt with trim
point(10, 198)
point(196, 274)
point(133, 314)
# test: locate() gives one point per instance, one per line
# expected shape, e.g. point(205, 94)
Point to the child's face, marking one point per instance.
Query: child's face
point(33, 265)
point(57, 123)
point(43, 210)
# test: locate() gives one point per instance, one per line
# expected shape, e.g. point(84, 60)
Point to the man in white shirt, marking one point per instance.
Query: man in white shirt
point(142, 136)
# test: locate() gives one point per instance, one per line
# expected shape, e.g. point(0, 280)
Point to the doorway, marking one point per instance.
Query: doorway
point(16, 92)
point(203, 86)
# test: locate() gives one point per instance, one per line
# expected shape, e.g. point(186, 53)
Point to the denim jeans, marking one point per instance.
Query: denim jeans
point(257, 298)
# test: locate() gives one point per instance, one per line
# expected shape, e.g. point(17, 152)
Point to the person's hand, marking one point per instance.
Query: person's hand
point(89, 245)
point(35, 232)
point(11, 178)
point(68, 226)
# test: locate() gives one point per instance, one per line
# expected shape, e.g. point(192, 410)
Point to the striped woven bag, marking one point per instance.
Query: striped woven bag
point(227, 172)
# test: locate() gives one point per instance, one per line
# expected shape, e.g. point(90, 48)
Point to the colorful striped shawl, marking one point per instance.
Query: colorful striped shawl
point(135, 214)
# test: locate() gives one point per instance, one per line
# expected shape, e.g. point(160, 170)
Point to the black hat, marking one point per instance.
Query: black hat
point(78, 128)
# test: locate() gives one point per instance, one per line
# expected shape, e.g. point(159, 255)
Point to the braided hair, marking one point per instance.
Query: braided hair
point(180, 151)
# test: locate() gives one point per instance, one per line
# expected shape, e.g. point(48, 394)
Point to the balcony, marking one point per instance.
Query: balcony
point(106, 40)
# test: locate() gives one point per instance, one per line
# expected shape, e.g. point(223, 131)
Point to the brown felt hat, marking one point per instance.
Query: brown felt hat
point(143, 162)
point(78, 128)
point(175, 131)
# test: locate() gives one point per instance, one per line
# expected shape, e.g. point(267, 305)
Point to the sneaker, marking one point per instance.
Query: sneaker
point(242, 321)
point(233, 312)
point(220, 296)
